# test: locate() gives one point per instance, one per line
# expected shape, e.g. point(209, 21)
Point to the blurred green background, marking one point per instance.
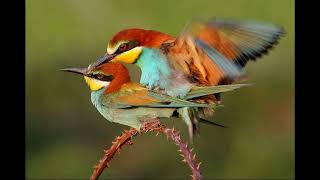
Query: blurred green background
point(66, 135)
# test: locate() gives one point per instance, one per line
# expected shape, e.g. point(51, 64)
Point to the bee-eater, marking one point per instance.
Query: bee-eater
point(122, 101)
point(206, 53)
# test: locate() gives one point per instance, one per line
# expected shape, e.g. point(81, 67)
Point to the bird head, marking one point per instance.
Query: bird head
point(127, 45)
point(110, 76)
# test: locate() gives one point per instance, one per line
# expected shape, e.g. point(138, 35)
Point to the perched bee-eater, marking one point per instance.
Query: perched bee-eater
point(206, 53)
point(122, 101)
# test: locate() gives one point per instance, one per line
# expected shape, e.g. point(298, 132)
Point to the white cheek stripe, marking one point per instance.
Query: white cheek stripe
point(112, 50)
point(103, 83)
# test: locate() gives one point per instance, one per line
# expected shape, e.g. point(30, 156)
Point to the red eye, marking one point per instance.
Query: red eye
point(123, 47)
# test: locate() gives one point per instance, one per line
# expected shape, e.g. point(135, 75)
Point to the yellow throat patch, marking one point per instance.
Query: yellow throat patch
point(130, 56)
point(95, 84)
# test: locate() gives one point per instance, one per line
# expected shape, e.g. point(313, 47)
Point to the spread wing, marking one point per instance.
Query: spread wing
point(214, 52)
point(237, 40)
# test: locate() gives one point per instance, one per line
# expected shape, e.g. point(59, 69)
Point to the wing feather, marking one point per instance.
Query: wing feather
point(214, 52)
point(131, 95)
point(238, 40)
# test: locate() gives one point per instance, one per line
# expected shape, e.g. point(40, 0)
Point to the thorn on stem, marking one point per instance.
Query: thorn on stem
point(154, 126)
point(198, 167)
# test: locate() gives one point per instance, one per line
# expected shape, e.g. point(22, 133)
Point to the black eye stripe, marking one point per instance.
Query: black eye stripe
point(102, 77)
point(126, 46)
point(122, 48)
point(107, 78)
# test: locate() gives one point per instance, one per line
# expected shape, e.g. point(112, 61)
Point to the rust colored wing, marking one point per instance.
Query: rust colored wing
point(238, 40)
point(214, 52)
point(185, 55)
point(135, 94)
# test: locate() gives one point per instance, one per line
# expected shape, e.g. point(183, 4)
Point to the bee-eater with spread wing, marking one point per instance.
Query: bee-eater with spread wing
point(122, 101)
point(206, 53)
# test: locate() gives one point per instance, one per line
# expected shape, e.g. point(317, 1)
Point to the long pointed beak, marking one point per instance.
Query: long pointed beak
point(82, 71)
point(102, 60)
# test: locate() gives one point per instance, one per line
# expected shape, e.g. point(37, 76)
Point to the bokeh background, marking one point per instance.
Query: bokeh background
point(65, 135)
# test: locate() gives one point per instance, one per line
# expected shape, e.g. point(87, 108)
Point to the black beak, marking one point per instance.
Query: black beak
point(102, 60)
point(82, 71)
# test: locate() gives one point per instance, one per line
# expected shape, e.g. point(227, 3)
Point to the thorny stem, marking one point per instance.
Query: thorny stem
point(149, 125)
point(117, 144)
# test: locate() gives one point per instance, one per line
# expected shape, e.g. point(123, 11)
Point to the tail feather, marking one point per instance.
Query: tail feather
point(192, 117)
point(211, 123)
